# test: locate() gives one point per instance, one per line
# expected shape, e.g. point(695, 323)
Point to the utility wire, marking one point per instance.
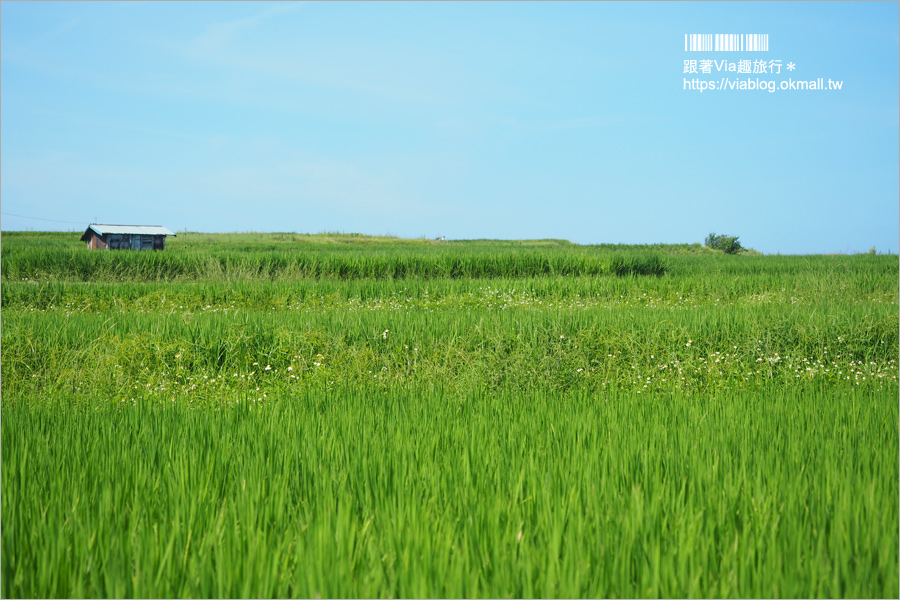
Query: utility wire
point(38, 219)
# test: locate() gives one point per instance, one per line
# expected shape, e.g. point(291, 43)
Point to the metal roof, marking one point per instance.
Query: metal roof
point(126, 229)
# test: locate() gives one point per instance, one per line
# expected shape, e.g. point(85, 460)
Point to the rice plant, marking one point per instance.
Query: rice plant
point(338, 415)
point(348, 492)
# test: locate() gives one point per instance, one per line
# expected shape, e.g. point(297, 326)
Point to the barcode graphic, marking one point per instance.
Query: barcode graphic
point(726, 42)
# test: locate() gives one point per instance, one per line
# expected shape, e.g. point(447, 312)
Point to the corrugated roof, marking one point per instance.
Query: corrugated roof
point(127, 229)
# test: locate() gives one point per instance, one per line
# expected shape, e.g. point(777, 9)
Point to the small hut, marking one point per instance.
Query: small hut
point(125, 237)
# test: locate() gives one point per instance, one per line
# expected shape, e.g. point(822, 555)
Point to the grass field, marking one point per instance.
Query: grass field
point(342, 415)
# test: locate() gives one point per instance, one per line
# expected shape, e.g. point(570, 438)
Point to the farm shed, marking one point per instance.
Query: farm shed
point(125, 237)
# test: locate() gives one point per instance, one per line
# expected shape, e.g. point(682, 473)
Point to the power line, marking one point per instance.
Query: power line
point(38, 219)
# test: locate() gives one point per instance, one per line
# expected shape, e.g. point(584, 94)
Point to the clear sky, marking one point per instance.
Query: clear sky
point(468, 120)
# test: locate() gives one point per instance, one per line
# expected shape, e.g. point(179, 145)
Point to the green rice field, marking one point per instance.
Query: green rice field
point(338, 415)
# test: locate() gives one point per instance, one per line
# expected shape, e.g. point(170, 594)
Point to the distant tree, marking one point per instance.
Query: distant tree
point(728, 244)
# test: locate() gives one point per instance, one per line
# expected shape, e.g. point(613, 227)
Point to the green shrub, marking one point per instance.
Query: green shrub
point(728, 244)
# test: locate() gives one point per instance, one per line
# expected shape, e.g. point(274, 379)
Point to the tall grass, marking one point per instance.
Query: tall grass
point(80, 265)
point(340, 415)
point(25, 259)
point(416, 493)
point(694, 284)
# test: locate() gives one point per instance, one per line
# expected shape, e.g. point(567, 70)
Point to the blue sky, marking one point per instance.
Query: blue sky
point(468, 120)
